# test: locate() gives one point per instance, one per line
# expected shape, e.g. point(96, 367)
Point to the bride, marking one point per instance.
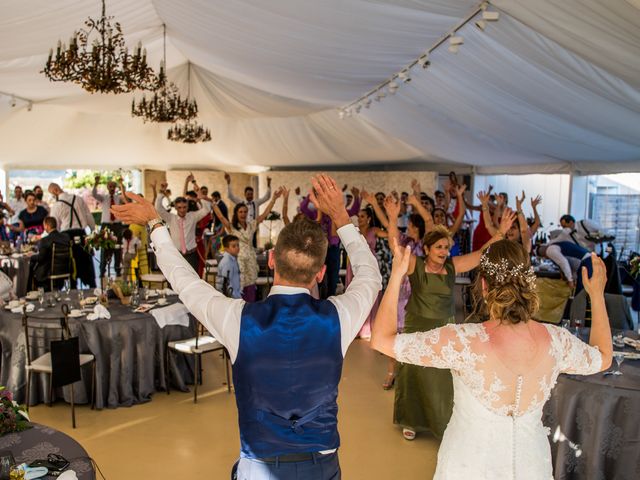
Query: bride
point(503, 368)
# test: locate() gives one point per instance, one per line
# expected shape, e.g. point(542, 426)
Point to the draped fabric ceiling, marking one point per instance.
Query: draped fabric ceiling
point(553, 86)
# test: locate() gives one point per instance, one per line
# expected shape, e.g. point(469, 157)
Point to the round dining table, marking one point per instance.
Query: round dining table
point(594, 423)
point(38, 442)
point(129, 350)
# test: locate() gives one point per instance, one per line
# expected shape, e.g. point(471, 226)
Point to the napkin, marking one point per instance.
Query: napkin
point(99, 312)
point(30, 308)
point(176, 314)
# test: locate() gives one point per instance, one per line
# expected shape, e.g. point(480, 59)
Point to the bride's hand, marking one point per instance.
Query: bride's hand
point(401, 257)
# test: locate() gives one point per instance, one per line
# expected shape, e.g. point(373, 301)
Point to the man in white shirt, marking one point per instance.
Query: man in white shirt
point(252, 205)
point(577, 232)
point(73, 218)
point(16, 204)
point(286, 350)
point(182, 225)
point(109, 221)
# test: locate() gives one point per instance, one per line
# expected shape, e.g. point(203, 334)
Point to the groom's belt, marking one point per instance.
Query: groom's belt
point(293, 457)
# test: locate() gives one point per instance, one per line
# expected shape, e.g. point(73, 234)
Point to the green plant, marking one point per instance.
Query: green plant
point(122, 288)
point(78, 179)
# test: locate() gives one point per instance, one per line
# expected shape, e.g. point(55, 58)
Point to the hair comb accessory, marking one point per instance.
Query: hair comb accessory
point(501, 271)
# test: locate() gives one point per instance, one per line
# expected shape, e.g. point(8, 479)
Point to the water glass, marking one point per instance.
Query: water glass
point(41, 298)
point(619, 358)
point(578, 323)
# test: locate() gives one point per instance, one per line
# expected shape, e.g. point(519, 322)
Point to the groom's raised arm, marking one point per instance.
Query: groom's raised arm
point(219, 314)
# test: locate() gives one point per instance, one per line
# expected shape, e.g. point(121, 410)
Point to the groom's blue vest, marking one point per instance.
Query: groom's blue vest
point(286, 376)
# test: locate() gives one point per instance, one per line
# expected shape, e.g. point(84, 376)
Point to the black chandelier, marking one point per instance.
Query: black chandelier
point(166, 105)
point(98, 60)
point(189, 132)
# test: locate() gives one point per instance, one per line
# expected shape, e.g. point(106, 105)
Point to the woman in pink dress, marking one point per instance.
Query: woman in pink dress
point(371, 234)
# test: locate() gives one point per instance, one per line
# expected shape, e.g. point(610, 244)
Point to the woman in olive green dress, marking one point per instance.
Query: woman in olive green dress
point(424, 396)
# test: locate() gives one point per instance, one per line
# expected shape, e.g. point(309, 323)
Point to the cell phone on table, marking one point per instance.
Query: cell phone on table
point(55, 464)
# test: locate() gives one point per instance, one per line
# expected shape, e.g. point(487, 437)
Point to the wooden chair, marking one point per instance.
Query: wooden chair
point(196, 346)
point(62, 362)
point(149, 278)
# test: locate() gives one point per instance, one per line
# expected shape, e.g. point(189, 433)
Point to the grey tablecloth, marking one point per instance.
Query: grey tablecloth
point(39, 441)
point(129, 350)
point(595, 425)
point(18, 270)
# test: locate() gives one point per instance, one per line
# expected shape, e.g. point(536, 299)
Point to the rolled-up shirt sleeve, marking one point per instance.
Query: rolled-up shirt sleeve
point(219, 314)
point(355, 304)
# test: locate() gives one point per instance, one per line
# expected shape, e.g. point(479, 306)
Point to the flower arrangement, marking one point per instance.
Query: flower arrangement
point(100, 239)
point(634, 263)
point(13, 417)
point(123, 290)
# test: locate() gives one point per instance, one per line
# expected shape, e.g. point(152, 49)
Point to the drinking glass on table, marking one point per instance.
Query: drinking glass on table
point(80, 297)
point(578, 323)
point(41, 298)
point(619, 358)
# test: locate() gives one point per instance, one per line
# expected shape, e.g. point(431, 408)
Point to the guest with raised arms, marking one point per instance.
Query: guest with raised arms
point(183, 224)
point(519, 231)
point(424, 396)
point(107, 201)
point(287, 350)
point(245, 230)
point(503, 368)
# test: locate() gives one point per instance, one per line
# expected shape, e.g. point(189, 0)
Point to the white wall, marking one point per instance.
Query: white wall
point(554, 190)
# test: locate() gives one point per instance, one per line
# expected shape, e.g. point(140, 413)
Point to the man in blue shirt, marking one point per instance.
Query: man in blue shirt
point(228, 277)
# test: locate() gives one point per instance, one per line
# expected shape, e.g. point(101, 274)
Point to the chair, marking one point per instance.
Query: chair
point(210, 269)
point(61, 264)
point(617, 309)
point(196, 346)
point(149, 278)
point(62, 362)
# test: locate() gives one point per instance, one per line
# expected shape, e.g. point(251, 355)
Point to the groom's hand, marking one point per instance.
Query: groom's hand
point(328, 198)
point(139, 211)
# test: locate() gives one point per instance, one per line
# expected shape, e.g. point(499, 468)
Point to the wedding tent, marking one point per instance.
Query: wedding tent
point(552, 86)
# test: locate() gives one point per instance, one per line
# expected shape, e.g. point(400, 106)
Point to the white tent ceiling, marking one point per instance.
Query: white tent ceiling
point(553, 86)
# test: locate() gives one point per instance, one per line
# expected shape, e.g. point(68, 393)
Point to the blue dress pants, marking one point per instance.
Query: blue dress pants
point(322, 467)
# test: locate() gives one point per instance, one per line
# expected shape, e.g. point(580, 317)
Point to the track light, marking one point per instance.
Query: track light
point(481, 24)
point(367, 103)
point(358, 108)
point(13, 101)
point(393, 87)
point(424, 61)
point(341, 114)
point(29, 106)
point(404, 76)
point(456, 39)
point(487, 17)
point(380, 95)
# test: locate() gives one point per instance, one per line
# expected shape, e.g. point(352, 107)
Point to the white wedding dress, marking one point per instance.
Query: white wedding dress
point(496, 430)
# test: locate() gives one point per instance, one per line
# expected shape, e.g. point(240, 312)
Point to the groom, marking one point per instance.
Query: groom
point(287, 351)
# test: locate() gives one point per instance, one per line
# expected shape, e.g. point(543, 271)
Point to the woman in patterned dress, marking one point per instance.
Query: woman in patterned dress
point(244, 230)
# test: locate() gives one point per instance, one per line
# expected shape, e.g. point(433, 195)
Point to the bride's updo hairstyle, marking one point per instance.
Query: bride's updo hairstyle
point(511, 294)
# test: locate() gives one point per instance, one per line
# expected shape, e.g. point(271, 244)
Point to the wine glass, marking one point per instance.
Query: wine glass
point(41, 298)
point(66, 288)
point(619, 358)
point(578, 323)
point(565, 323)
point(80, 298)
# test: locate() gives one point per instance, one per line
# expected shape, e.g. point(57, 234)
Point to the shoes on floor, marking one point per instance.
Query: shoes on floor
point(389, 381)
point(408, 434)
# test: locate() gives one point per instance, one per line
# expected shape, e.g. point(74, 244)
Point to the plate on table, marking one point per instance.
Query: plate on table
point(32, 295)
point(152, 293)
point(76, 313)
point(145, 307)
point(90, 300)
point(631, 355)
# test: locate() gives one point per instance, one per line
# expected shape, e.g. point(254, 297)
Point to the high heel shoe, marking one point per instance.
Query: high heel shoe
point(389, 382)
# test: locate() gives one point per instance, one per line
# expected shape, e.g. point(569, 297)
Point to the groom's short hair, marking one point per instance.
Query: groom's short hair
point(300, 251)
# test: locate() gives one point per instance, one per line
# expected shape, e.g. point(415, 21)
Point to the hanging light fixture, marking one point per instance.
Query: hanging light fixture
point(166, 105)
point(189, 131)
point(98, 60)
